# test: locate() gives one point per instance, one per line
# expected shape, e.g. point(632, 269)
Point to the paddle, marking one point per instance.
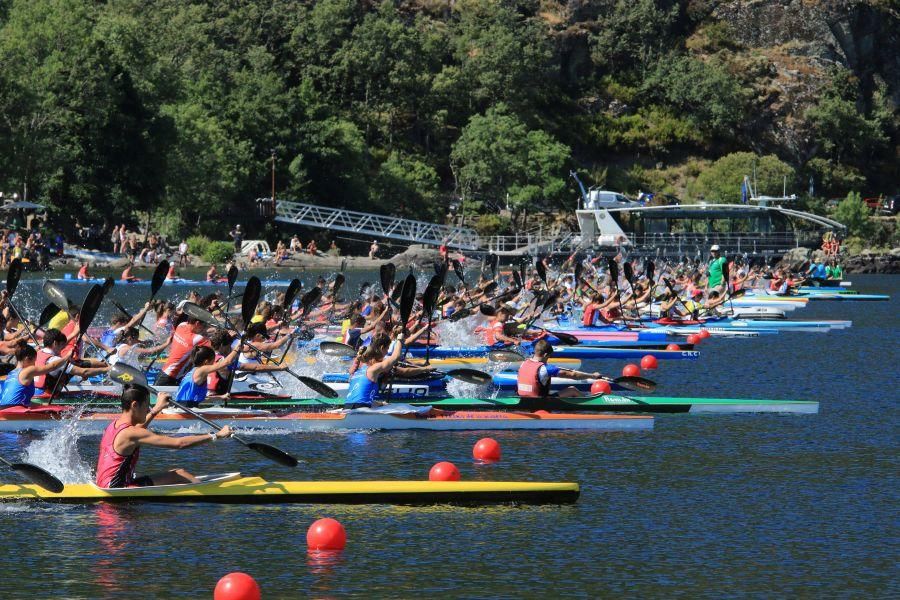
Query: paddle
point(249, 302)
point(541, 269)
point(614, 281)
point(335, 288)
point(387, 273)
point(337, 349)
point(649, 269)
point(201, 314)
point(494, 262)
point(634, 383)
point(159, 278)
point(126, 374)
point(517, 279)
point(36, 475)
point(232, 277)
point(56, 295)
point(50, 311)
point(629, 277)
point(470, 376)
point(407, 298)
point(12, 282)
point(429, 300)
point(122, 310)
point(88, 312)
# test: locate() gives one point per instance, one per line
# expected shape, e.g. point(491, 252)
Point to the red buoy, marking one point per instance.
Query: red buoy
point(600, 387)
point(486, 449)
point(675, 347)
point(237, 586)
point(631, 370)
point(326, 534)
point(704, 333)
point(443, 471)
point(693, 339)
point(649, 362)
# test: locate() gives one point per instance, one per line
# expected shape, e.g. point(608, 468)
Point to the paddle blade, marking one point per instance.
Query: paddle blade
point(567, 339)
point(337, 349)
point(487, 310)
point(407, 298)
point(638, 384)
point(291, 293)
point(494, 261)
point(387, 273)
point(429, 298)
point(613, 270)
point(541, 269)
point(38, 476)
point(55, 295)
point(460, 314)
point(108, 284)
point(250, 299)
point(579, 268)
point(232, 277)
point(337, 285)
point(127, 375)
point(90, 307)
point(522, 276)
point(13, 276)
point(273, 453)
point(518, 279)
point(489, 287)
point(470, 376)
point(649, 268)
point(159, 277)
point(310, 298)
point(318, 387)
point(458, 270)
point(629, 271)
point(201, 314)
point(506, 356)
point(48, 313)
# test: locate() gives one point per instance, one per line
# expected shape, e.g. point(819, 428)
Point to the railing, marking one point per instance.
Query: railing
point(681, 244)
point(338, 219)
point(531, 243)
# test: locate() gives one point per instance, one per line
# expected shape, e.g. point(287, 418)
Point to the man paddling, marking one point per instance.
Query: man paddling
point(535, 375)
point(121, 443)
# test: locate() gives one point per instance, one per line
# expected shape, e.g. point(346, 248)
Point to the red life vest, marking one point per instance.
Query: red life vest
point(528, 382)
point(112, 467)
point(213, 380)
point(490, 332)
point(180, 351)
point(67, 331)
point(590, 311)
point(42, 357)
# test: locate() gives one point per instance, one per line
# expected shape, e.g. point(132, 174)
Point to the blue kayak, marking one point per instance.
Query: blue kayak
point(177, 281)
point(580, 352)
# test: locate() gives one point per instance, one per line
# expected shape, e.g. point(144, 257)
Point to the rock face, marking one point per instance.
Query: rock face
point(873, 263)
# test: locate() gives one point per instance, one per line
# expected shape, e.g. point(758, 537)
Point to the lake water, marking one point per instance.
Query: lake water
point(708, 506)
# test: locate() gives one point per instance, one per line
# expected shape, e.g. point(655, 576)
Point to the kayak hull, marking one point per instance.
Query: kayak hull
point(255, 490)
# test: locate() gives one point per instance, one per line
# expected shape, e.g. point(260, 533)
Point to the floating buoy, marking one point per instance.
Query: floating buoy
point(631, 370)
point(649, 362)
point(674, 347)
point(704, 333)
point(487, 449)
point(693, 339)
point(443, 471)
point(326, 534)
point(237, 586)
point(600, 387)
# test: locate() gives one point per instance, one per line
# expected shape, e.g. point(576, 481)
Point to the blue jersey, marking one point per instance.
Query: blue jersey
point(362, 390)
point(14, 393)
point(189, 392)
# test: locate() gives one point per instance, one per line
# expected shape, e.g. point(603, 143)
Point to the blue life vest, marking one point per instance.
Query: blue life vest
point(109, 337)
point(820, 271)
point(189, 392)
point(362, 390)
point(14, 393)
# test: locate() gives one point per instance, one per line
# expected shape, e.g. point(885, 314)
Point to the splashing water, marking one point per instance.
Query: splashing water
point(57, 452)
point(461, 389)
point(462, 332)
point(323, 364)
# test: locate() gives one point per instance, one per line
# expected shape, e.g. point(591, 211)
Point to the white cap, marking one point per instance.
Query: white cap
point(715, 248)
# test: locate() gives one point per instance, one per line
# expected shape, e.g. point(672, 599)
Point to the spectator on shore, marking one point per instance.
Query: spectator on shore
point(83, 272)
point(373, 249)
point(311, 248)
point(183, 254)
point(238, 236)
point(333, 250)
point(114, 238)
point(280, 252)
point(296, 244)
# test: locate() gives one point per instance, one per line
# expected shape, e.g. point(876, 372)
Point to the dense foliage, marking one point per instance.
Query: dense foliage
point(112, 109)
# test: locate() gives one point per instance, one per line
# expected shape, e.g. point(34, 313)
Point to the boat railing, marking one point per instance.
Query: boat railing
point(752, 243)
point(531, 243)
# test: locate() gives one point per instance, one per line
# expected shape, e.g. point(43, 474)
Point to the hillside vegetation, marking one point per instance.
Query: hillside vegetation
point(110, 109)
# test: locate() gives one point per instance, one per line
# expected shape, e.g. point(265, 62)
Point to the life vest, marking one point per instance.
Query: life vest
point(114, 469)
point(190, 392)
point(528, 381)
point(361, 390)
point(70, 346)
point(491, 331)
point(590, 313)
point(14, 392)
point(43, 357)
point(183, 342)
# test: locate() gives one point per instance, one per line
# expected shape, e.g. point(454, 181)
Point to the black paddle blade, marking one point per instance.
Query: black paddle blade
point(629, 271)
point(318, 387)
point(487, 310)
point(50, 311)
point(337, 349)
point(159, 277)
point(522, 271)
point(291, 293)
point(13, 275)
point(310, 298)
point(518, 279)
point(471, 376)
point(506, 356)
point(90, 307)
point(55, 295)
point(457, 268)
point(232, 276)
point(567, 339)
point(429, 299)
point(579, 268)
point(638, 384)
point(489, 287)
point(649, 268)
point(443, 273)
point(127, 375)
point(273, 453)
point(337, 285)
point(201, 314)
point(494, 262)
point(613, 270)
point(38, 476)
point(460, 314)
point(387, 273)
point(250, 299)
point(108, 284)
point(541, 269)
point(407, 298)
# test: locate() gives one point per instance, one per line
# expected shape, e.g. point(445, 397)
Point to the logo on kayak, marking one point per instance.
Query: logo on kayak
point(126, 377)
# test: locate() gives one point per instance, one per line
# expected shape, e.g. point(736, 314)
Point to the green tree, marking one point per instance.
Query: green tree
point(854, 213)
point(408, 187)
point(633, 34)
point(721, 182)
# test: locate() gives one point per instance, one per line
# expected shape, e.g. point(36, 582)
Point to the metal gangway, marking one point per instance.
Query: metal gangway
point(338, 219)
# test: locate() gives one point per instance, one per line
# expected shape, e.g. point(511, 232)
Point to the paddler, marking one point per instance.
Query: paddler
point(535, 375)
point(185, 338)
point(83, 272)
point(18, 389)
point(366, 381)
point(715, 280)
point(52, 354)
point(494, 332)
point(126, 273)
point(121, 443)
point(194, 386)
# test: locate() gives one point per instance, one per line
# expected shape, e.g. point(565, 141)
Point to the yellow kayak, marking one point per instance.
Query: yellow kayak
point(234, 488)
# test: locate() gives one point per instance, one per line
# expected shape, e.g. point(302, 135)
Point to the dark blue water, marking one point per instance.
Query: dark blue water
point(712, 506)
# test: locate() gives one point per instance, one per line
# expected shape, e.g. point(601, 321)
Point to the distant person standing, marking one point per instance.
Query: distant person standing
point(373, 249)
point(238, 236)
point(183, 254)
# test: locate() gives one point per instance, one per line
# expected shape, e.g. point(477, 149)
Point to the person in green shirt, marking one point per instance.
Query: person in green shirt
point(715, 280)
point(834, 271)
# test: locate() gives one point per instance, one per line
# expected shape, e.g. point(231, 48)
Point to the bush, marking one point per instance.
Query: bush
point(487, 225)
point(197, 244)
point(218, 252)
point(853, 213)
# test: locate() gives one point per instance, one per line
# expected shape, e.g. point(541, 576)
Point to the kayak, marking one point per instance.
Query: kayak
point(580, 351)
point(234, 488)
point(44, 418)
point(221, 282)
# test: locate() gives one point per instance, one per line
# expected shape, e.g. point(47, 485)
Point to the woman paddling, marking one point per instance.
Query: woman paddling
point(19, 386)
point(193, 388)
